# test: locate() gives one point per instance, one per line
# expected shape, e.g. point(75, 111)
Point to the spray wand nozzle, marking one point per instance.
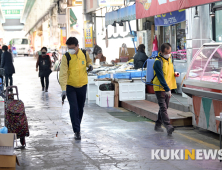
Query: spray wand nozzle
point(63, 98)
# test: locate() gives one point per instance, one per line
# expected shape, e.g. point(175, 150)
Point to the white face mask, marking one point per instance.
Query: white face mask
point(167, 56)
point(72, 51)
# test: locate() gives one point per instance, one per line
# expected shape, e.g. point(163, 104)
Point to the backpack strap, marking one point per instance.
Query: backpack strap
point(161, 60)
point(68, 57)
point(84, 52)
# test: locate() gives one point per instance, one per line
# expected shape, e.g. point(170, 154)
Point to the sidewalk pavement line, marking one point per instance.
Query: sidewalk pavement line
point(211, 146)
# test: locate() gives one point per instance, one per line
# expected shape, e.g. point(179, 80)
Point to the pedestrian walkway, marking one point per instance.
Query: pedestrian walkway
point(110, 141)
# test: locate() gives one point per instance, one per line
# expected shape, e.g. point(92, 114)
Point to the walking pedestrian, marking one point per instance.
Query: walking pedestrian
point(14, 51)
point(73, 81)
point(164, 81)
point(7, 64)
point(44, 63)
point(140, 57)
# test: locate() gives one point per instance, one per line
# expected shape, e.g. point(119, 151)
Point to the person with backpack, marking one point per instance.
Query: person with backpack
point(163, 82)
point(7, 64)
point(73, 80)
point(44, 63)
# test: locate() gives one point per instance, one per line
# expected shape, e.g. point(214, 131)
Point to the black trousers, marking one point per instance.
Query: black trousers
point(163, 101)
point(8, 76)
point(76, 98)
point(46, 82)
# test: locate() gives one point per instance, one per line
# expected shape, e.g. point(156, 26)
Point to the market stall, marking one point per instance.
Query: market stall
point(204, 85)
point(126, 80)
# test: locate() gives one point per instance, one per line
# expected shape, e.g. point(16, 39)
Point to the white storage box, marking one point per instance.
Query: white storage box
point(91, 79)
point(131, 91)
point(106, 101)
point(105, 98)
point(92, 91)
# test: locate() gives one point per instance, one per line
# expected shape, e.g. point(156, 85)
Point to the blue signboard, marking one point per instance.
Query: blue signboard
point(170, 18)
point(122, 14)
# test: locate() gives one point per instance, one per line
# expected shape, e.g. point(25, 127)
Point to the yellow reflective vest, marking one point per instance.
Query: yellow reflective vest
point(76, 74)
point(168, 72)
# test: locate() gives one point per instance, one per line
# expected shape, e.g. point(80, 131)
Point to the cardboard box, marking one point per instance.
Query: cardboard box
point(7, 143)
point(8, 162)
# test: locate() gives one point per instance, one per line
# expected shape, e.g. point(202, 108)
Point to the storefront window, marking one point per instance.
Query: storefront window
point(173, 37)
point(167, 34)
point(218, 20)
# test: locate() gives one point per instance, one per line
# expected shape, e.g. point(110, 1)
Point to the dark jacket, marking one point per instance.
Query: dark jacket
point(139, 58)
point(44, 63)
point(7, 63)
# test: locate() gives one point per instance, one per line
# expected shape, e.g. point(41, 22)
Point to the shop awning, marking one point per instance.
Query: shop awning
point(150, 8)
point(123, 14)
point(73, 18)
point(170, 18)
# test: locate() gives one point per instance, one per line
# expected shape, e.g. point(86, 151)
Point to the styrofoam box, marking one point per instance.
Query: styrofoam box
point(106, 93)
point(91, 79)
point(97, 100)
point(92, 91)
point(131, 91)
point(106, 101)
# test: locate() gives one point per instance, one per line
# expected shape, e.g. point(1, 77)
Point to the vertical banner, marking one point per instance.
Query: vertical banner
point(207, 106)
point(88, 34)
point(196, 106)
point(63, 36)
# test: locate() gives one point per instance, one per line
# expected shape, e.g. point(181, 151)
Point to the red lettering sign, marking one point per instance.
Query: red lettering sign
point(147, 8)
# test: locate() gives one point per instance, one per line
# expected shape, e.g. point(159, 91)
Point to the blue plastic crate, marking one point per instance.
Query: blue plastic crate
point(122, 75)
point(104, 76)
point(137, 74)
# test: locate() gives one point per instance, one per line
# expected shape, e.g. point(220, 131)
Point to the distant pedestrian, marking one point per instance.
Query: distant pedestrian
point(14, 51)
point(164, 81)
point(7, 64)
point(140, 57)
point(44, 63)
point(73, 81)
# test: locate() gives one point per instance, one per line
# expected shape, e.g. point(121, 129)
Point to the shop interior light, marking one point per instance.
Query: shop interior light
point(129, 35)
point(212, 11)
point(121, 23)
point(112, 37)
point(196, 13)
point(212, 14)
point(114, 24)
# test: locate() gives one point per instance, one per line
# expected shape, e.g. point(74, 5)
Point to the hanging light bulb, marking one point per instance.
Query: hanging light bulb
point(196, 13)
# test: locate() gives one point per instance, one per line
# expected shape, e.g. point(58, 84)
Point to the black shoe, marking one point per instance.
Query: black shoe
point(170, 130)
point(77, 136)
point(46, 90)
point(43, 89)
point(158, 128)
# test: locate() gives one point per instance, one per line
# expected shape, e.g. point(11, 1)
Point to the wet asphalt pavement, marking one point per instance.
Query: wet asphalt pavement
point(108, 142)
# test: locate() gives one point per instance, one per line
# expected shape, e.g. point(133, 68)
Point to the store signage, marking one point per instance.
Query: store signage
point(12, 11)
point(88, 34)
point(123, 14)
point(109, 3)
point(91, 5)
point(170, 18)
point(148, 8)
point(63, 36)
point(72, 3)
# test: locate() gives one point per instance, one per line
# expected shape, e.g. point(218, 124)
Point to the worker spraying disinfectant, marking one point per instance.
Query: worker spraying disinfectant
point(163, 81)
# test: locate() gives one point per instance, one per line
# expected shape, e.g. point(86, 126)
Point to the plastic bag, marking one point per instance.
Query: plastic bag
point(4, 130)
point(155, 44)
